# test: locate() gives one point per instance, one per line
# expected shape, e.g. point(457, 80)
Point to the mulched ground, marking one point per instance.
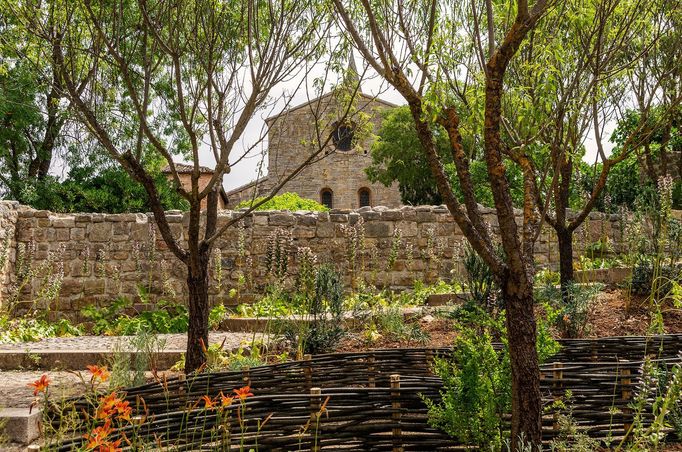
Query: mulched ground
point(616, 314)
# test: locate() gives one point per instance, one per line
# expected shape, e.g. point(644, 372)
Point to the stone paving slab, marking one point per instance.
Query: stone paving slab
point(73, 353)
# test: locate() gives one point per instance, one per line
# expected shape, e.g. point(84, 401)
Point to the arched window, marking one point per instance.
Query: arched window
point(343, 135)
point(364, 197)
point(327, 197)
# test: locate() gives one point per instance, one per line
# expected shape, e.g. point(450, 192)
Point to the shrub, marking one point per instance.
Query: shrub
point(569, 311)
point(480, 280)
point(325, 310)
point(645, 272)
point(285, 201)
point(477, 380)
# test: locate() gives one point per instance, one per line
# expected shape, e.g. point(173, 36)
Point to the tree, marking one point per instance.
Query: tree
point(397, 156)
point(570, 81)
point(32, 111)
point(169, 78)
point(449, 62)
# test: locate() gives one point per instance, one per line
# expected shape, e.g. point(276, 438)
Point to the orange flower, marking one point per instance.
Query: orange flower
point(98, 373)
point(107, 406)
point(209, 403)
point(114, 446)
point(243, 393)
point(224, 400)
point(40, 385)
point(124, 410)
point(97, 437)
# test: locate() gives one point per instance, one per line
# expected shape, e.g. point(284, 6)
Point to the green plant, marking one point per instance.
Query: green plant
point(27, 329)
point(111, 319)
point(569, 311)
point(390, 322)
point(284, 201)
point(217, 314)
point(570, 438)
point(477, 379)
point(324, 315)
point(479, 279)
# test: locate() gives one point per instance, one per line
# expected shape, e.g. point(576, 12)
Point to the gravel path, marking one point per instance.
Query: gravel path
point(173, 342)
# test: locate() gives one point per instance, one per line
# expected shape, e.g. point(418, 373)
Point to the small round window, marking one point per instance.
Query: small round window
point(343, 136)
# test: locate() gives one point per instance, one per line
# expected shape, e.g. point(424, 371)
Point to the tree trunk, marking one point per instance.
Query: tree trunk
point(521, 335)
point(197, 333)
point(566, 275)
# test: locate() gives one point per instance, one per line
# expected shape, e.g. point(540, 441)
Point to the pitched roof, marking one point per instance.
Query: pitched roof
point(247, 185)
point(183, 168)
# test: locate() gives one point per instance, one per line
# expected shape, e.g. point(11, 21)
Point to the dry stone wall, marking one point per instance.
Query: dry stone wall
point(104, 256)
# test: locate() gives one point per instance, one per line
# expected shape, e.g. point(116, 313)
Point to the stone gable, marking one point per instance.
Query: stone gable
point(291, 139)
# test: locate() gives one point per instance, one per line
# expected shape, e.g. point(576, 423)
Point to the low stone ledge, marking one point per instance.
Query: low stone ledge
point(22, 425)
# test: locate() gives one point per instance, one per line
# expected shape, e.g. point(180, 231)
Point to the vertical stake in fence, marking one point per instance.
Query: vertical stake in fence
point(627, 395)
point(395, 405)
point(246, 375)
point(429, 358)
point(557, 385)
point(371, 380)
point(308, 371)
point(595, 355)
point(315, 415)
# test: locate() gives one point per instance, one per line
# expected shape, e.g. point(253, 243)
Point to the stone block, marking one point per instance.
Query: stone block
point(391, 215)
point(282, 219)
point(62, 235)
point(63, 222)
point(22, 425)
point(77, 233)
point(379, 229)
point(338, 217)
point(93, 286)
point(99, 232)
point(425, 216)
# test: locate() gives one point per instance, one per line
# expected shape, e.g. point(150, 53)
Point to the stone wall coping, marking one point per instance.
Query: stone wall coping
point(387, 213)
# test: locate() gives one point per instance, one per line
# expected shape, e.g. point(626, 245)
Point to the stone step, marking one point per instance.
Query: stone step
point(21, 425)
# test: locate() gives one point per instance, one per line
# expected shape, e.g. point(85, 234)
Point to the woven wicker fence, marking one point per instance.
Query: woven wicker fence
point(374, 400)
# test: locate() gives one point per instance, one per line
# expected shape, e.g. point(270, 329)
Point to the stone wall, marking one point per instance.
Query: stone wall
point(109, 255)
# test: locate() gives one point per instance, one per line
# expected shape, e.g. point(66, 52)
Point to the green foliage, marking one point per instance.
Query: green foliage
point(285, 201)
point(31, 330)
point(276, 303)
point(645, 273)
point(218, 359)
point(477, 380)
point(217, 314)
point(325, 310)
point(569, 311)
point(110, 190)
point(397, 156)
point(112, 320)
point(480, 281)
point(390, 322)
point(570, 438)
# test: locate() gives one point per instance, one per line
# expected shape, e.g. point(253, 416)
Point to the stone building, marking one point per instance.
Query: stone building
point(336, 177)
point(185, 174)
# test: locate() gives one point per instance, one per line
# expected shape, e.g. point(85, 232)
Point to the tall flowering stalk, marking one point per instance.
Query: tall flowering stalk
point(277, 254)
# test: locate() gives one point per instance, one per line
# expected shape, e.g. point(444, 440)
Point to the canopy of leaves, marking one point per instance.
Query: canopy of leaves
point(398, 156)
point(111, 190)
point(285, 201)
